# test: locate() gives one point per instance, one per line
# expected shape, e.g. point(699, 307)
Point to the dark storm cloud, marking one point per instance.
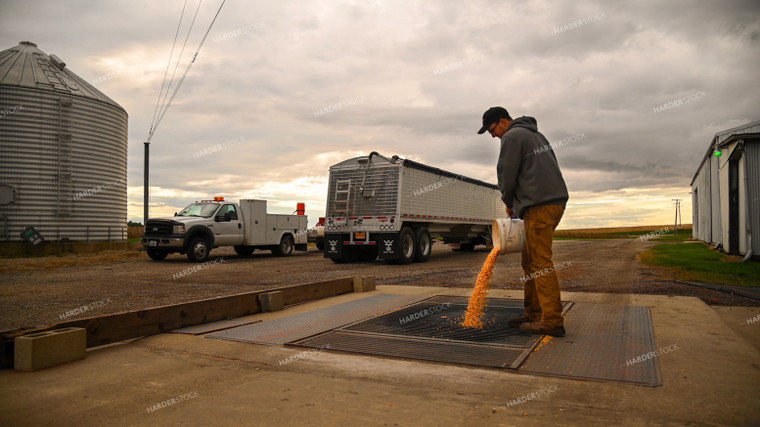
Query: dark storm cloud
point(297, 80)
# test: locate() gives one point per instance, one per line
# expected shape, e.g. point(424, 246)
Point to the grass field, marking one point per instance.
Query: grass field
point(698, 262)
point(654, 232)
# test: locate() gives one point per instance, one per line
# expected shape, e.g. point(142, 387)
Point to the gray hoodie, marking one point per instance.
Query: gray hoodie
point(528, 171)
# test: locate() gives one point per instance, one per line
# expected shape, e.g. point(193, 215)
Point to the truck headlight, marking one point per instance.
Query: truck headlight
point(178, 229)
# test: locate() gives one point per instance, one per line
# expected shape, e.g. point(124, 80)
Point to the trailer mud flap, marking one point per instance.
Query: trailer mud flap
point(387, 246)
point(333, 245)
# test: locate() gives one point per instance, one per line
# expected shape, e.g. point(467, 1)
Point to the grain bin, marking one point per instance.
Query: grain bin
point(63, 152)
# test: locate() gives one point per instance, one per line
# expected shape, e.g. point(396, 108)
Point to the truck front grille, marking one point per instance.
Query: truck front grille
point(157, 228)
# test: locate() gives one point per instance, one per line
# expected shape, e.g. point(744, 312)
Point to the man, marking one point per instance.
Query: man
point(532, 187)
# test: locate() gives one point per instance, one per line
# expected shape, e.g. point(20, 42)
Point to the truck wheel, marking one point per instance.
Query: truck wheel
point(198, 250)
point(285, 248)
point(424, 245)
point(320, 244)
point(408, 246)
point(244, 250)
point(157, 254)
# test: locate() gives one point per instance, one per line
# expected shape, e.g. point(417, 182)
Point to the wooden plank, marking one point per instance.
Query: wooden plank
point(123, 326)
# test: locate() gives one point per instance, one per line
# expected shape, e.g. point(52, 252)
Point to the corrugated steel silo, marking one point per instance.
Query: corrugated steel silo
point(63, 152)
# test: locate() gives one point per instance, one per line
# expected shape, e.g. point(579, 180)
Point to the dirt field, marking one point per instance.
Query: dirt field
point(38, 291)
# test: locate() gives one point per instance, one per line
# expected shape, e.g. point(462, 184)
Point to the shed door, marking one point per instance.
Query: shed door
point(733, 206)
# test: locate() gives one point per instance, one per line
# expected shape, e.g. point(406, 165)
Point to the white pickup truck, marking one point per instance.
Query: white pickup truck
point(208, 224)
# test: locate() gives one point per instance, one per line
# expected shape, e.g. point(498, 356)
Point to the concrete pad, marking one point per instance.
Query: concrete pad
point(50, 348)
point(743, 320)
point(713, 378)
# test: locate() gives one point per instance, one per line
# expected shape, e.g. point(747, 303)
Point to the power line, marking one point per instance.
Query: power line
point(182, 51)
point(166, 106)
point(168, 63)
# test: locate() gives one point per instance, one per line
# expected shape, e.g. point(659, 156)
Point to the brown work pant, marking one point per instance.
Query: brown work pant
point(542, 298)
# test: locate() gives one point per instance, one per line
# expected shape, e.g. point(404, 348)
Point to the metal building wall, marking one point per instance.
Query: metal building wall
point(752, 168)
point(715, 194)
point(701, 206)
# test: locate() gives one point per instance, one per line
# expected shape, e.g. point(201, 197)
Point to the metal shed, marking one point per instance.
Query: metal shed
point(63, 152)
point(726, 191)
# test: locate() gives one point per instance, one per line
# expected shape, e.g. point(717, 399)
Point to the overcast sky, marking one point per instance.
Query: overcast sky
point(290, 88)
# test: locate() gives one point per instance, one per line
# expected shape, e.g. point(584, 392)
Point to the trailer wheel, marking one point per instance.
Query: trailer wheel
point(424, 245)
point(156, 254)
point(198, 250)
point(408, 246)
point(285, 248)
point(244, 250)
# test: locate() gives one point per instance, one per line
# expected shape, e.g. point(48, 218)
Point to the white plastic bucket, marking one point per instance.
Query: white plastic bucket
point(508, 234)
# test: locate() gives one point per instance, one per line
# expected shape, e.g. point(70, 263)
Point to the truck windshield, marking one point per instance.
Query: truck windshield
point(200, 209)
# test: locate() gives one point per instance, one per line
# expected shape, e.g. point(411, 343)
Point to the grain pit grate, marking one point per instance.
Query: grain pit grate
point(430, 330)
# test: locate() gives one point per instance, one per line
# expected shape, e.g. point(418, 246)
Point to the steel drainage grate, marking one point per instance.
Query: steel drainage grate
point(430, 330)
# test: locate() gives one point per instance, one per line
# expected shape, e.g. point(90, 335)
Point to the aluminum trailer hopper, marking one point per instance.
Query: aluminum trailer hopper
point(390, 207)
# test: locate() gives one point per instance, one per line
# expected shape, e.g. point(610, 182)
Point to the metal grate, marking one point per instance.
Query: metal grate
point(601, 342)
point(430, 330)
point(441, 320)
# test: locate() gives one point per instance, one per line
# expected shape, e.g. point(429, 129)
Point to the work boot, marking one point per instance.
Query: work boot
point(519, 320)
point(540, 328)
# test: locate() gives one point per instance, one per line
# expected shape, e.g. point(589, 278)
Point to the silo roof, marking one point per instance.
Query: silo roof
point(27, 66)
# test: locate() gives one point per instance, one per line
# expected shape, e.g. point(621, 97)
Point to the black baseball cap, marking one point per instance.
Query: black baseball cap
point(493, 115)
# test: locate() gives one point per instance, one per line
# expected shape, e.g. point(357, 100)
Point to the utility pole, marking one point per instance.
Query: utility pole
point(677, 203)
point(146, 183)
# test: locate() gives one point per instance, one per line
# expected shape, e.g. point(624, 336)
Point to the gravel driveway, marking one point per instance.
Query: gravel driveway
point(39, 291)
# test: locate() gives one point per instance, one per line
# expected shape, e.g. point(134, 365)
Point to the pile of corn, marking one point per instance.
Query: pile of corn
point(477, 306)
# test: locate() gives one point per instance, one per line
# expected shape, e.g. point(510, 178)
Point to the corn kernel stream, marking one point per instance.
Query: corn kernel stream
point(473, 318)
